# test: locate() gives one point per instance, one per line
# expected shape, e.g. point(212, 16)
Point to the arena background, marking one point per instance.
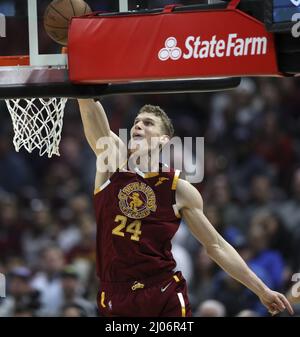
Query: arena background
point(251, 192)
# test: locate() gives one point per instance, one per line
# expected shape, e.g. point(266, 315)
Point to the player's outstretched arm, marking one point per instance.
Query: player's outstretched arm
point(95, 123)
point(190, 204)
point(97, 132)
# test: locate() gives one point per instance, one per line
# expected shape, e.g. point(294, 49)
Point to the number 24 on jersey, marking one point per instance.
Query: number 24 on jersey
point(134, 228)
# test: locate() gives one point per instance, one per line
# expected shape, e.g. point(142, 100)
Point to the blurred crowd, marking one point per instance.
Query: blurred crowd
point(251, 192)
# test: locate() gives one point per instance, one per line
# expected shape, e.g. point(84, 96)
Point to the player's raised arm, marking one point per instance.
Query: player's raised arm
point(96, 127)
point(190, 204)
point(95, 123)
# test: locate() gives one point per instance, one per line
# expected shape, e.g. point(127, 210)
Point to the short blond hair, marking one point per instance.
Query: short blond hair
point(167, 125)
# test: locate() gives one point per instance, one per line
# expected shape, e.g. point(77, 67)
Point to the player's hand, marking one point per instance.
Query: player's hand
point(275, 302)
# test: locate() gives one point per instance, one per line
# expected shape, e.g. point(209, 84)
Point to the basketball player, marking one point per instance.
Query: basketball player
point(137, 215)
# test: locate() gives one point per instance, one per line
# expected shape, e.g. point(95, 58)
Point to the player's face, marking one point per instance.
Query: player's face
point(147, 130)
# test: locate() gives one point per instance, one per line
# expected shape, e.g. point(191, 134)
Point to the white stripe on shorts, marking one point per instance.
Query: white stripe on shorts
point(182, 303)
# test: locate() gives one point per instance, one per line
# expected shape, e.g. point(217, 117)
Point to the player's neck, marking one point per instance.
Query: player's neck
point(144, 163)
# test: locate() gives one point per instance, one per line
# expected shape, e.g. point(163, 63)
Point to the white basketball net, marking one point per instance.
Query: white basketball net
point(37, 123)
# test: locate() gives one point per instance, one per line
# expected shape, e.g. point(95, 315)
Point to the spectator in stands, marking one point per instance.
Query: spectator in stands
point(48, 281)
point(73, 292)
point(22, 299)
point(73, 310)
point(211, 308)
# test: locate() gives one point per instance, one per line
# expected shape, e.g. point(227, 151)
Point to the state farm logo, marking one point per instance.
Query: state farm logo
point(197, 48)
point(170, 51)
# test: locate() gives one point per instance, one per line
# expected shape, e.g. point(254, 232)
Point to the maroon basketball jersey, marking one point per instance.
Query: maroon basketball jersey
point(136, 219)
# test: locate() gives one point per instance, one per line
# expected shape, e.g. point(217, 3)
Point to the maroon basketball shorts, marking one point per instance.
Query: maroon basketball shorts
point(164, 296)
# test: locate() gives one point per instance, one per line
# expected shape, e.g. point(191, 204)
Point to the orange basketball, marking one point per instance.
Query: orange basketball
point(58, 15)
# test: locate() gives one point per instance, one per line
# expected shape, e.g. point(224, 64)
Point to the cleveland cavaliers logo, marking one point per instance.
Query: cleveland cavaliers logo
point(137, 200)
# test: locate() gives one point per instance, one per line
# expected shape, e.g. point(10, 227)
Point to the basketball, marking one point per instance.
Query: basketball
point(58, 15)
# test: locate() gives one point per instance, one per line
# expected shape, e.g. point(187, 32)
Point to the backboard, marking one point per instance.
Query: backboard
point(28, 55)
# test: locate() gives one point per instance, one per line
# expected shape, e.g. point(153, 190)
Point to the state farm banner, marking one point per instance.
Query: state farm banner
point(168, 45)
